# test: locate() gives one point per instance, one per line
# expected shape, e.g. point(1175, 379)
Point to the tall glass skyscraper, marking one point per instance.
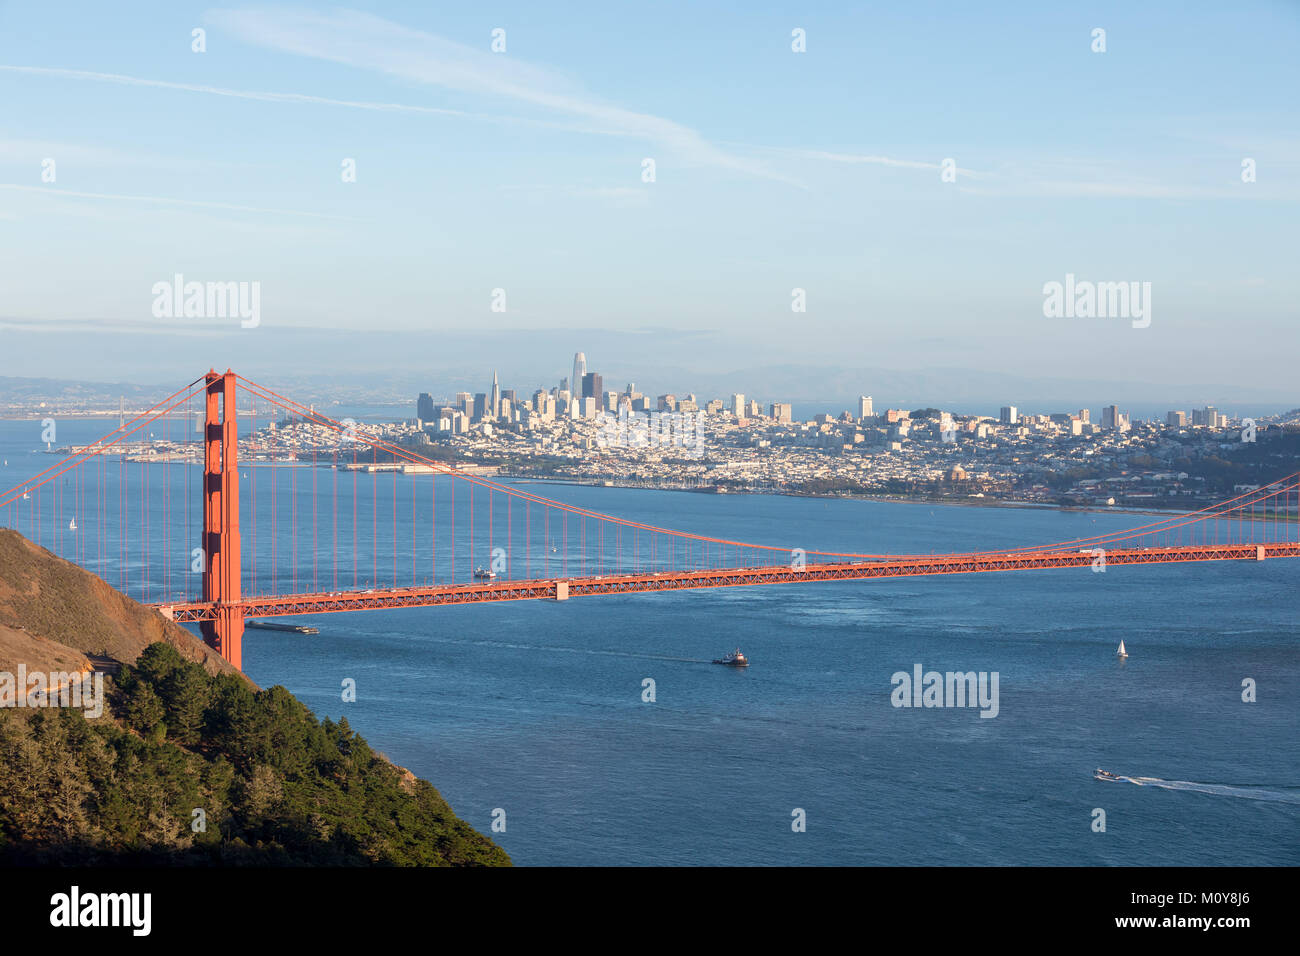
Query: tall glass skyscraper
point(575, 385)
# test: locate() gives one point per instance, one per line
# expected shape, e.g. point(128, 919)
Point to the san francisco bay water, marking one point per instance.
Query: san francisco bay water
point(536, 708)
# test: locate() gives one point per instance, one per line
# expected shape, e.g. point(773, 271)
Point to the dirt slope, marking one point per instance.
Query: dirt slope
point(52, 611)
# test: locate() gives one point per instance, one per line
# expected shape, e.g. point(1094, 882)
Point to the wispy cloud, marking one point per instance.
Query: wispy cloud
point(123, 80)
point(292, 98)
point(90, 154)
point(368, 42)
point(164, 200)
point(620, 196)
point(864, 159)
point(1120, 190)
point(1075, 177)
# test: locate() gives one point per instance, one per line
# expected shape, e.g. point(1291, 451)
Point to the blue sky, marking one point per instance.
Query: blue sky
point(774, 170)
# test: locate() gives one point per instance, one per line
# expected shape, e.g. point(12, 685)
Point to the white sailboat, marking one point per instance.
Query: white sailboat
point(72, 525)
point(1121, 653)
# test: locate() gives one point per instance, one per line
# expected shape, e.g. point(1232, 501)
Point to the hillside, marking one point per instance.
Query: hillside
point(50, 609)
point(190, 763)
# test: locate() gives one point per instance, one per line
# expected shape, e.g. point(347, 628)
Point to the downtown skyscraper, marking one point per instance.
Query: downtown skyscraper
point(575, 385)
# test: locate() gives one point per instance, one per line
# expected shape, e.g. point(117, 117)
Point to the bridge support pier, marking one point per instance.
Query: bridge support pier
point(221, 567)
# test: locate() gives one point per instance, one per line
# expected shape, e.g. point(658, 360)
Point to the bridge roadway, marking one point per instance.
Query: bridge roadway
point(562, 588)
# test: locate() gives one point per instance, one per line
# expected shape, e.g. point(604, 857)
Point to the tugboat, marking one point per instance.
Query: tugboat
point(734, 659)
point(484, 574)
point(1100, 774)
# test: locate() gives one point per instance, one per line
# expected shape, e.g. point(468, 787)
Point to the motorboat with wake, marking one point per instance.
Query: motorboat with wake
point(734, 659)
point(275, 626)
point(1100, 774)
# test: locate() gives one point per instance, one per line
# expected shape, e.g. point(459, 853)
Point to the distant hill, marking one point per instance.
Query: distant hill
point(189, 763)
point(76, 394)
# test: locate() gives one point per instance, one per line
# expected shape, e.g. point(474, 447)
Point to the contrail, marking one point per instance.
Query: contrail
point(266, 97)
point(239, 94)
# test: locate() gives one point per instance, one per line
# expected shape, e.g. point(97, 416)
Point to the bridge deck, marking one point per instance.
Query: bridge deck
point(582, 586)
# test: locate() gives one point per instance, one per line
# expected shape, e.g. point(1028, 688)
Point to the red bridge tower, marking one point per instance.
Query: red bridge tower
point(221, 568)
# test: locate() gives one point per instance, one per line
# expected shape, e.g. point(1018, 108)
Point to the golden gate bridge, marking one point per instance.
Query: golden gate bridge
point(106, 512)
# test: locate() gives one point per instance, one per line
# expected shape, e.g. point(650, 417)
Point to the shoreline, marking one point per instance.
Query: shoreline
point(470, 468)
point(891, 499)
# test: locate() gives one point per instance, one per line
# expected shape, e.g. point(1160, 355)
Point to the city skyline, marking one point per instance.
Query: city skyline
point(895, 388)
point(590, 401)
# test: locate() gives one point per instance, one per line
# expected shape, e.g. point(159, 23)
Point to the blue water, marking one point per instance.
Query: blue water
point(536, 707)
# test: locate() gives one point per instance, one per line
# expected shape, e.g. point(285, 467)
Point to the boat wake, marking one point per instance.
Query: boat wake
point(1290, 795)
